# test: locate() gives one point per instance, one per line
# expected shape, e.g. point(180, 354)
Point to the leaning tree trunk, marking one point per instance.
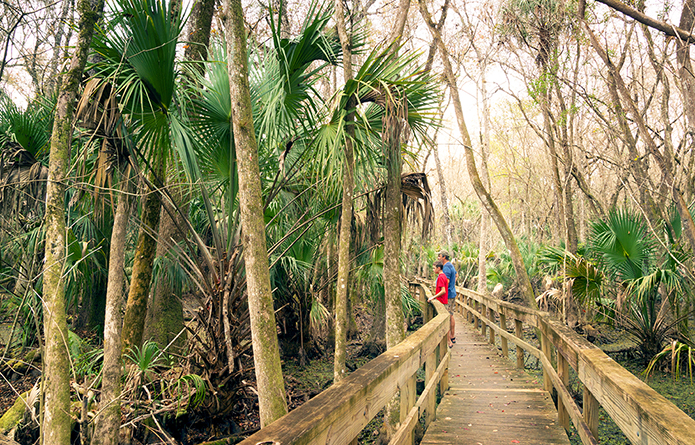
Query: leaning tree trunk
point(136, 306)
point(517, 260)
point(108, 421)
point(341, 305)
point(56, 425)
point(266, 353)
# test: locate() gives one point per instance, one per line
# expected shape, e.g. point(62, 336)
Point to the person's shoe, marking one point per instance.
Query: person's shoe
point(453, 339)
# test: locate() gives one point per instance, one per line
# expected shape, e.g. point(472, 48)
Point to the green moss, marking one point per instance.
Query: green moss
point(14, 415)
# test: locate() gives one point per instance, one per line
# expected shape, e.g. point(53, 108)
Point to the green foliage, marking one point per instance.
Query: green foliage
point(146, 358)
point(502, 269)
point(630, 278)
point(31, 128)
point(680, 355)
point(183, 388)
point(465, 257)
point(86, 360)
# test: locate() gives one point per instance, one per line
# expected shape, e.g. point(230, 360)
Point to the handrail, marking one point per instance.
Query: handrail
point(338, 414)
point(643, 415)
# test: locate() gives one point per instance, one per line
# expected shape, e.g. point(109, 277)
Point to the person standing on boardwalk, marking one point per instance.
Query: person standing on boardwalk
point(450, 273)
point(441, 290)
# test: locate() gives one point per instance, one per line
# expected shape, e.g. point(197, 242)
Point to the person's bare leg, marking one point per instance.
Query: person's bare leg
point(452, 329)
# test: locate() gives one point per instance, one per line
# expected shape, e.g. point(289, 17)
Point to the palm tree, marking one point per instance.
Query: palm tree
point(629, 279)
point(137, 55)
point(137, 50)
point(648, 293)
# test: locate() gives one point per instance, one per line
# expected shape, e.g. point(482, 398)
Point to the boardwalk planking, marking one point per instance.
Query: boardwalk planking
point(489, 401)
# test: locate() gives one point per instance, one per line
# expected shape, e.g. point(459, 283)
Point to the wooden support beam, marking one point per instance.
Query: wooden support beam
point(545, 348)
point(503, 339)
point(492, 331)
point(563, 372)
point(400, 437)
point(572, 409)
point(483, 325)
point(443, 354)
point(590, 414)
point(519, 331)
point(430, 406)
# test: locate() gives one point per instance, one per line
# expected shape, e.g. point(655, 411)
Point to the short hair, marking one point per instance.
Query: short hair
point(445, 254)
point(439, 264)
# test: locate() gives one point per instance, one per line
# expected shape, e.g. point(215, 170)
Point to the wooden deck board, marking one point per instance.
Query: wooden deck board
point(490, 402)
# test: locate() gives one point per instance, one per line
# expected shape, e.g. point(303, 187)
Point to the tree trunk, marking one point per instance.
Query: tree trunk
point(687, 82)
point(484, 153)
point(552, 155)
point(199, 26)
point(56, 424)
point(136, 307)
point(401, 17)
point(266, 353)
point(517, 260)
point(341, 315)
point(665, 160)
point(165, 309)
point(109, 420)
point(392, 124)
point(446, 220)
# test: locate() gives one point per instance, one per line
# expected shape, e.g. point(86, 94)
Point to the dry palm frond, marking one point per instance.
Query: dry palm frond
point(98, 112)
point(22, 181)
point(417, 200)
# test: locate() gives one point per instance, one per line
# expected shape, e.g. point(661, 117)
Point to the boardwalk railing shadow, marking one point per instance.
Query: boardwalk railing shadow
point(340, 413)
point(644, 416)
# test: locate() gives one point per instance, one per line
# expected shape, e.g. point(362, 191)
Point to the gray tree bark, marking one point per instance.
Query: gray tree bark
point(56, 424)
point(199, 26)
point(341, 305)
point(266, 353)
point(138, 295)
point(109, 420)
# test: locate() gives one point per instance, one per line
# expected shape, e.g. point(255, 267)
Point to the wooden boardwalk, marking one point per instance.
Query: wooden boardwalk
point(490, 401)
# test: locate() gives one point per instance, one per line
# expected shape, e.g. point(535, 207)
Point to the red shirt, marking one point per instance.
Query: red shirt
point(442, 282)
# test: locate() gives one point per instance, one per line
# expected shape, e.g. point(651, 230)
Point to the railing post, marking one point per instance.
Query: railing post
point(476, 321)
point(519, 332)
point(469, 314)
point(545, 349)
point(564, 374)
point(444, 381)
point(483, 326)
point(503, 340)
point(591, 406)
point(424, 304)
point(492, 331)
point(430, 369)
point(408, 398)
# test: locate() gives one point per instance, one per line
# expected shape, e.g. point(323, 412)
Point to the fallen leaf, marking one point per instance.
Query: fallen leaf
point(515, 441)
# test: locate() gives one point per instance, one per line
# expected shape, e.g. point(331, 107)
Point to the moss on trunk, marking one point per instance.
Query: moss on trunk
point(266, 353)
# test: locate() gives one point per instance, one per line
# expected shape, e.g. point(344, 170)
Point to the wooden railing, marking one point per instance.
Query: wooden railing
point(340, 413)
point(643, 415)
